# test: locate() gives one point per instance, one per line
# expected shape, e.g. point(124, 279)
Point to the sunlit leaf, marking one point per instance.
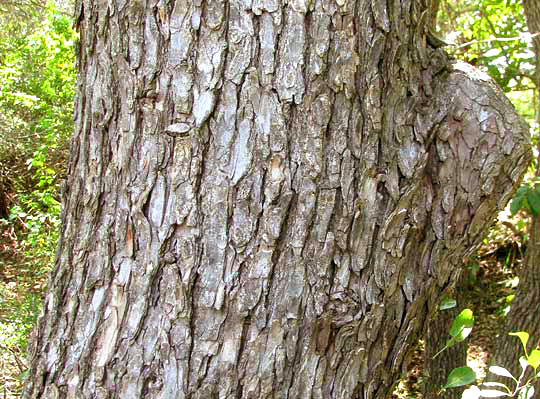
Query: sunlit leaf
point(495, 384)
point(462, 325)
point(523, 337)
point(471, 393)
point(494, 52)
point(534, 358)
point(491, 393)
point(523, 362)
point(501, 371)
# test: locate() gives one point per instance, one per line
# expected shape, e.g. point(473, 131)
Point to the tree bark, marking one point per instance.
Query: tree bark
point(435, 5)
point(437, 369)
point(523, 315)
point(265, 199)
point(524, 311)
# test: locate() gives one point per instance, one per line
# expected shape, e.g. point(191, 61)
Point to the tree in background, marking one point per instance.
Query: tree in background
point(525, 308)
point(437, 364)
point(264, 199)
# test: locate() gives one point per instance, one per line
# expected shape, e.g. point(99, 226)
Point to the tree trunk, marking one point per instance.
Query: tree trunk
point(525, 308)
point(437, 333)
point(523, 315)
point(264, 199)
point(435, 5)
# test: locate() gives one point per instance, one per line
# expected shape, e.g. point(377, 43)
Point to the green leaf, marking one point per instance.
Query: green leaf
point(464, 319)
point(471, 393)
point(534, 358)
point(523, 337)
point(447, 303)
point(501, 371)
point(460, 376)
point(533, 197)
point(517, 202)
point(462, 326)
point(516, 205)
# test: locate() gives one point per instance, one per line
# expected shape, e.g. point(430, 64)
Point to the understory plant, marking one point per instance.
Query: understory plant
point(37, 84)
point(521, 386)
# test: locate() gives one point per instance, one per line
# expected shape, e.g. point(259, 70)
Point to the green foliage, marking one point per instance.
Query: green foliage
point(15, 327)
point(37, 84)
point(37, 80)
point(493, 35)
point(523, 337)
point(461, 328)
point(462, 376)
point(527, 198)
point(534, 359)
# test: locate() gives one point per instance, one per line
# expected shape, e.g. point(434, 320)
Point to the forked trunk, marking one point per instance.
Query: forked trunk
point(265, 198)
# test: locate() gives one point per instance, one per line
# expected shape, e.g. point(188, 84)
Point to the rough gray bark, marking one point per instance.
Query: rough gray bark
point(523, 315)
point(264, 198)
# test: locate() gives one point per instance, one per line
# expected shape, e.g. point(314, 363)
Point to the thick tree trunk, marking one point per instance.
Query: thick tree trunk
point(264, 199)
point(525, 310)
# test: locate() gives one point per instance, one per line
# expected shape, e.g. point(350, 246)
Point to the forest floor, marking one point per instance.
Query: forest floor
point(491, 279)
point(22, 284)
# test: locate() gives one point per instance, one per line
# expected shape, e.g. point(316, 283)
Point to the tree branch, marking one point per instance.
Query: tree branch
point(497, 39)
